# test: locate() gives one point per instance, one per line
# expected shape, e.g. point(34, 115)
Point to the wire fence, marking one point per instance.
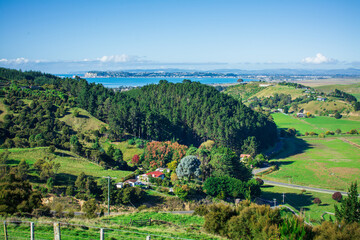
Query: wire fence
point(66, 231)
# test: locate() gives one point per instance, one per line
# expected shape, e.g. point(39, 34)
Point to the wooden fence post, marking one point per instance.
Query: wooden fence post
point(5, 231)
point(148, 237)
point(101, 234)
point(57, 234)
point(32, 233)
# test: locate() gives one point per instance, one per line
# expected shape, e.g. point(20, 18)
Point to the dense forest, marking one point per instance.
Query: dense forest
point(188, 112)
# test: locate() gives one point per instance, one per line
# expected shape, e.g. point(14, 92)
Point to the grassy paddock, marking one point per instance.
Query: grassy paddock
point(326, 163)
point(316, 124)
point(301, 201)
point(71, 164)
point(288, 121)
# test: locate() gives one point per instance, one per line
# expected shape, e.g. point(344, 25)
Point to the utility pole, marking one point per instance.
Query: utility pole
point(283, 197)
point(109, 178)
point(274, 202)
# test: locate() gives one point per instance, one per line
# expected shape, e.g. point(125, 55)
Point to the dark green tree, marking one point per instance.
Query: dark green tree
point(349, 209)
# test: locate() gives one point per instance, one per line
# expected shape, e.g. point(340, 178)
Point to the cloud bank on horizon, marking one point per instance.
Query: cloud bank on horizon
point(127, 62)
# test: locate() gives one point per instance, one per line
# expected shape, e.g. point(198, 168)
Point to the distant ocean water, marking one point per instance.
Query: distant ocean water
point(138, 82)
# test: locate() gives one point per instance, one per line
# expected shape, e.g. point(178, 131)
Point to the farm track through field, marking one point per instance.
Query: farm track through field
point(350, 142)
point(313, 125)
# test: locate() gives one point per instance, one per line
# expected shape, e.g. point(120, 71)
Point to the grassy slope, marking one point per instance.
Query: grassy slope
point(271, 90)
point(326, 163)
point(244, 91)
point(128, 150)
point(163, 224)
point(353, 89)
point(84, 122)
point(319, 106)
point(71, 164)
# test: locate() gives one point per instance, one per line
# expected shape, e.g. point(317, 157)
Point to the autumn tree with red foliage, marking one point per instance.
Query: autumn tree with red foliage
point(159, 154)
point(135, 159)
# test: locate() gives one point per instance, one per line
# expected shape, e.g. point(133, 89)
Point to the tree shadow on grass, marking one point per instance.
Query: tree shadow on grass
point(82, 116)
point(60, 154)
point(152, 200)
point(298, 201)
point(12, 162)
point(292, 146)
point(65, 179)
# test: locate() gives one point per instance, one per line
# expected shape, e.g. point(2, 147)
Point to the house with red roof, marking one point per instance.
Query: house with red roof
point(154, 174)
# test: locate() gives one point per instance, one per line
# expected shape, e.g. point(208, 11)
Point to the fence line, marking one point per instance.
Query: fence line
point(58, 231)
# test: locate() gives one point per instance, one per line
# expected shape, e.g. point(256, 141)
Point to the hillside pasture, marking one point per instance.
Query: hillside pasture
point(315, 107)
point(353, 89)
point(318, 124)
point(71, 164)
point(331, 124)
point(288, 121)
point(279, 89)
point(84, 122)
point(328, 163)
point(127, 149)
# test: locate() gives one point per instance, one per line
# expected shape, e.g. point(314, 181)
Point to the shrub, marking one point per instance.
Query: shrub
point(132, 141)
point(337, 196)
point(353, 131)
point(216, 219)
point(89, 208)
point(260, 181)
point(201, 210)
point(317, 201)
point(142, 207)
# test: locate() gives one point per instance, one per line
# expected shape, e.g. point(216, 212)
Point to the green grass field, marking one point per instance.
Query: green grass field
point(71, 164)
point(301, 202)
point(288, 121)
point(317, 124)
point(331, 124)
point(328, 163)
point(128, 150)
point(163, 226)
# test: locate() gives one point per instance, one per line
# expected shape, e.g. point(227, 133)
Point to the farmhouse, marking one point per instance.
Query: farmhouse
point(131, 182)
point(243, 156)
point(155, 174)
point(322, 99)
point(301, 115)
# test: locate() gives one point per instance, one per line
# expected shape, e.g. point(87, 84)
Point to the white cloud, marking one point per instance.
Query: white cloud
point(318, 59)
point(16, 61)
point(115, 58)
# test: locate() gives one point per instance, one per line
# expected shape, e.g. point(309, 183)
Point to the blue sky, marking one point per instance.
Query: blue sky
point(65, 36)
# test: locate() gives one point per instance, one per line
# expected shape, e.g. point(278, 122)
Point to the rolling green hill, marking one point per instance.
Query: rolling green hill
point(353, 89)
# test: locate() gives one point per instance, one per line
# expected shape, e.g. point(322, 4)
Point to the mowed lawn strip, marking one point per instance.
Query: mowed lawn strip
point(328, 163)
point(70, 163)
